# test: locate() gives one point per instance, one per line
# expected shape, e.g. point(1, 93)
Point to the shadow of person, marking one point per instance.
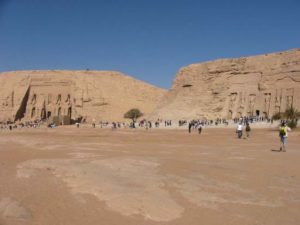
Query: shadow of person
point(276, 150)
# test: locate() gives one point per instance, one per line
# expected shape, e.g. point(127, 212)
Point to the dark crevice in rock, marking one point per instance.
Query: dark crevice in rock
point(22, 110)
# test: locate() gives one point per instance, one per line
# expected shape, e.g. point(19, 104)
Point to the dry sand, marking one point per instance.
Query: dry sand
point(99, 176)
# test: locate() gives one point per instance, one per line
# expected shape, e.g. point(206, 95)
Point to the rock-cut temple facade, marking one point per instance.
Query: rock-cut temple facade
point(227, 88)
point(66, 96)
point(232, 88)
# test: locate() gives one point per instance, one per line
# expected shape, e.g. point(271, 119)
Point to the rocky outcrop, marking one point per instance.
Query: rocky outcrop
point(99, 95)
point(228, 88)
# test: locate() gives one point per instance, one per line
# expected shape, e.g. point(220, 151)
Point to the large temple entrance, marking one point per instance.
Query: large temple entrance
point(45, 99)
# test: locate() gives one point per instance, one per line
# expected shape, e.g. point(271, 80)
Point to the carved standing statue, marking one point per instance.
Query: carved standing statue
point(232, 100)
point(267, 102)
point(252, 98)
point(289, 101)
point(33, 99)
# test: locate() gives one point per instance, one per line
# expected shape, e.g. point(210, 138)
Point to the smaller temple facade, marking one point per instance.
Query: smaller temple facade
point(264, 103)
point(258, 86)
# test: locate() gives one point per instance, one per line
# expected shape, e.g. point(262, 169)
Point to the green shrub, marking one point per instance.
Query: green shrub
point(292, 124)
point(133, 114)
point(291, 113)
point(277, 116)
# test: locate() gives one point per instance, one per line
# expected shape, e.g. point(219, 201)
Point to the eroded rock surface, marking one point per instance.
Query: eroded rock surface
point(99, 95)
point(227, 88)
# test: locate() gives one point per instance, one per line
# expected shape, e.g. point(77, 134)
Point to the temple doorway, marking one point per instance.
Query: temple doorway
point(48, 114)
point(257, 112)
point(70, 112)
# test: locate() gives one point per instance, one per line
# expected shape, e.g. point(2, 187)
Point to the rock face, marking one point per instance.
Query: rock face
point(99, 95)
point(228, 88)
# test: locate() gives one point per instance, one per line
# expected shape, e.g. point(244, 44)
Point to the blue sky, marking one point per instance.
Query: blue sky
point(147, 39)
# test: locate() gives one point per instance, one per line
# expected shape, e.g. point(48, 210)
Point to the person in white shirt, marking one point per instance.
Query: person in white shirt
point(239, 130)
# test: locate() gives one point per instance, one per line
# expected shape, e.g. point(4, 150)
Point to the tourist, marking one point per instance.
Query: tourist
point(190, 126)
point(283, 134)
point(157, 124)
point(239, 130)
point(248, 130)
point(114, 126)
point(199, 128)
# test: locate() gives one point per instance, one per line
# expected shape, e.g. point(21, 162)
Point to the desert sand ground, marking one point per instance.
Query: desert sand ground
point(98, 176)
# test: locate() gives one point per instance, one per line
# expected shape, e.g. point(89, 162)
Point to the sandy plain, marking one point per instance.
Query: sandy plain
point(91, 176)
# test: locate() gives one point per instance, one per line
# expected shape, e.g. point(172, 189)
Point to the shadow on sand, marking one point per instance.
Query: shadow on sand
point(276, 150)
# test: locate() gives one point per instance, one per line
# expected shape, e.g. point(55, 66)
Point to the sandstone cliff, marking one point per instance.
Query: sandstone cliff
point(227, 88)
point(99, 95)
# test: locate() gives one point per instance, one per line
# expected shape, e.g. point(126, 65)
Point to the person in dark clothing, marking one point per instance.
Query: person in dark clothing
point(190, 126)
point(199, 128)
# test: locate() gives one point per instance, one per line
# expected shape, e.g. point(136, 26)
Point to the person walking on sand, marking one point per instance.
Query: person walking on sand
point(190, 126)
point(248, 130)
point(239, 130)
point(199, 128)
point(283, 134)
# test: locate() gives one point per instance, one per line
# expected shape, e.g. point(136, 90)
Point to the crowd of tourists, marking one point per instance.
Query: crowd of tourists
point(148, 124)
point(27, 124)
point(243, 125)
